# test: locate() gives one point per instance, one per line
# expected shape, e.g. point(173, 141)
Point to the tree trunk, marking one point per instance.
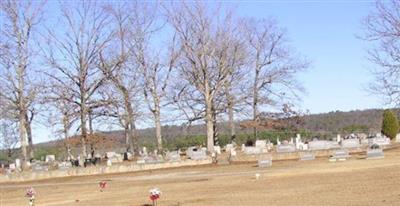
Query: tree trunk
point(231, 121)
point(255, 103)
point(157, 120)
point(130, 122)
point(22, 134)
point(66, 128)
point(83, 129)
point(29, 136)
point(209, 123)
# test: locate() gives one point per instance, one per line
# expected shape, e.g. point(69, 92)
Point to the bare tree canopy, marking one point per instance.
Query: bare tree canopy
point(274, 66)
point(18, 87)
point(383, 31)
point(74, 57)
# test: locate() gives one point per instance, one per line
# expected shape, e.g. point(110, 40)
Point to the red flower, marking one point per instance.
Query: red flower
point(102, 184)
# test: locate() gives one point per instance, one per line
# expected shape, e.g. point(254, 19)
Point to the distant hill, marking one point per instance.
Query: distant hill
point(367, 121)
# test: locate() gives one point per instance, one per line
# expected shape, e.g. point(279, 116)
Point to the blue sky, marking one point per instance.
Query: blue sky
point(326, 33)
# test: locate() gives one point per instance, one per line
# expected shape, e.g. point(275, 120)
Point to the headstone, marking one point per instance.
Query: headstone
point(261, 143)
point(285, 148)
point(173, 156)
point(307, 156)
point(233, 153)
point(50, 158)
point(350, 143)
point(109, 163)
point(398, 137)
point(375, 153)
point(338, 138)
point(195, 153)
point(278, 142)
point(217, 149)
point(198, 155)
point(243, 147)
point(340, 155)
point(64, 165)
point(142, 161)
point(381, 141)
point(252, 150)
point(265, 161)
point(318, 145)
point(12, 166)
point(17, 163)
point(229, 147)
point(144, 150)
point(291, 141)
point(298, 142)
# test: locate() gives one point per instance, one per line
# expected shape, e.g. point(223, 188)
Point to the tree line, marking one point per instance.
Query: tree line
point(126, 62)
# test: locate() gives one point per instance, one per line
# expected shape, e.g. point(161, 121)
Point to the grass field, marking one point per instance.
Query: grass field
point(354, 182)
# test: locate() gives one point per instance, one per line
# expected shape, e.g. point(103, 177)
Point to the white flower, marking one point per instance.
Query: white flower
point(155, 191)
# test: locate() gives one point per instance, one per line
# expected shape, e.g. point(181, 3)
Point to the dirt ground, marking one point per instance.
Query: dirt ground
point(357, 181)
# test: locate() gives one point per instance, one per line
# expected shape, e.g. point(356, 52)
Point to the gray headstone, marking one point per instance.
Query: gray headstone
point(198, 155)
point(340, 155)
point(173, 156)
point(350, 143)
point(375, 154)
point(265, 162)
point(285, 148)
point(252, 150)
point(307, 156)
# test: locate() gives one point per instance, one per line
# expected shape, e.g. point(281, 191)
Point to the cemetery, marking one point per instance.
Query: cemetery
point(193, 103)
point(247, 182)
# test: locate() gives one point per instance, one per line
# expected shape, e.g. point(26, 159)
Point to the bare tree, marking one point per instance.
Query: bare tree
point(20, 19)
point(155, 67)
point(65, 113)
point(122, 73)
point(383, 31)
point(74, 56)
point(274, 66)
point(8, 136)
point(201, 71)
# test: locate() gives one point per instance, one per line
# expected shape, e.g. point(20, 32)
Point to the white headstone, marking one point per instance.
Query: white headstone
point(50, 158)
point(109, 163)
point(18, 163)
point(217, 149)
point(278, 142)
point(338, 138)
point(12, 166)
point(243, 147)
point(144, 151)
point(228, 147)
point(233, 153)
point(261, 143)
point(291, 141)
point(398, 137)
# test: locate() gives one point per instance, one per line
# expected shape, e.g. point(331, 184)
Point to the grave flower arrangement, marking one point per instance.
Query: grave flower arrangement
point(30, 193)
point(102, 185)
point(155, 194)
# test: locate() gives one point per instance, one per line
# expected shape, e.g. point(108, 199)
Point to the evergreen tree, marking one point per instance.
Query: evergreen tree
point(390, 124)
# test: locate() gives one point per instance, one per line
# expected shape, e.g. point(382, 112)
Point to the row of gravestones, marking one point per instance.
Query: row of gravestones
point(374, 152)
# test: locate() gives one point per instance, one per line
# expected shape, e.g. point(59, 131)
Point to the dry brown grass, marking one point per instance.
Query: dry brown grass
point(354, 182)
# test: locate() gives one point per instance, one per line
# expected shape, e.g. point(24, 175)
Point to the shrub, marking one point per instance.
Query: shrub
point(390, 124)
